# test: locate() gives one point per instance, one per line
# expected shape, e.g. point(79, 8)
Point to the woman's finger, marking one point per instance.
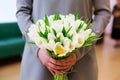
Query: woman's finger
point(56, 67)
point(52, 72)
point(58, 62)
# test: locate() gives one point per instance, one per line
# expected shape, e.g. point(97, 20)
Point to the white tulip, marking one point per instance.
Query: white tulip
point(32, 32)
point(33, 28)
point(66, 24)
point(75, 24)
point(62, 17)
point(51, 17)
point(87, 33)
point(57, 25)
point(70, 17)
point(78, 40)
point(51, 45)
point(84, 26)
point(61, 36)
point(41, 43)
point(72, 31)
point(59, 49)
point(69, 46)
point(42, 25)
point(33, 36)
point(51, 36)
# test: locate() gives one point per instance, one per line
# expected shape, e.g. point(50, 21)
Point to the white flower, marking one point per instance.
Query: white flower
point(51, 45)
point(70, 17)
point(81, 37)
point(68, 21)
point(51, 17)
point(87, 33)
point(57, 25)
point(61, 36)
point(33, 28)
point(84, 26)
point(69, 46)
point(59, 49)
point(72, 31)
point(62, 17)
point(41, 43)
point(80, 22)
point(41, 25)
point(78, 40)
point(75, 24)
point(51, 36)
point(33, 36)
point(66, 24)
point(32, 32)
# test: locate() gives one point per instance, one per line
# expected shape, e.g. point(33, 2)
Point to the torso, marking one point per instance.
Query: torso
point(49, 7)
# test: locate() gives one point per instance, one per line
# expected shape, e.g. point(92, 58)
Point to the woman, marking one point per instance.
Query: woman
point(83, 62)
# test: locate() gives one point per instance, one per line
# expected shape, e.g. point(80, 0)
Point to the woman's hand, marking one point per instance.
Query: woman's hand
point(56, 66)
point(70, 62)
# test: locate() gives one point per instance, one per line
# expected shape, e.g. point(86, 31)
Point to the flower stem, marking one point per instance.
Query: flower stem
point(61, 77)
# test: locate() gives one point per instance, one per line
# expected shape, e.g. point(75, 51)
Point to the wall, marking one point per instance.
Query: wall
point(7, 10)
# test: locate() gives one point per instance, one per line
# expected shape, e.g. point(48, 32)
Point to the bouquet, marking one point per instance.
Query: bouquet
point(61, 35)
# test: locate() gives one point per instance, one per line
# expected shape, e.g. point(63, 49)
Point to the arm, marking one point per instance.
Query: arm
point(102, 15)
point(24, 14)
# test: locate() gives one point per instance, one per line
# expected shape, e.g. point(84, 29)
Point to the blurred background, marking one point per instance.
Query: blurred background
point(12, 45)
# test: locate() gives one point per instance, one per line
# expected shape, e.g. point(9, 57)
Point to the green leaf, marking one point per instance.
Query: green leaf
point(79, 27)
point(41, 34)
point(70, 36)
point(57, 16)
point(46, 32)
point(54, 31)
point(88, 25)
point(31, 42)
point(76, 15)
point(82, 18)
point(90, 33)
point(46, 20)
point(52, 54)
point(39, 26)
point(86, 44)
point(44, 35)
point(68, 30)
point(57, 39)
point(92, 39)
point(64, 31)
